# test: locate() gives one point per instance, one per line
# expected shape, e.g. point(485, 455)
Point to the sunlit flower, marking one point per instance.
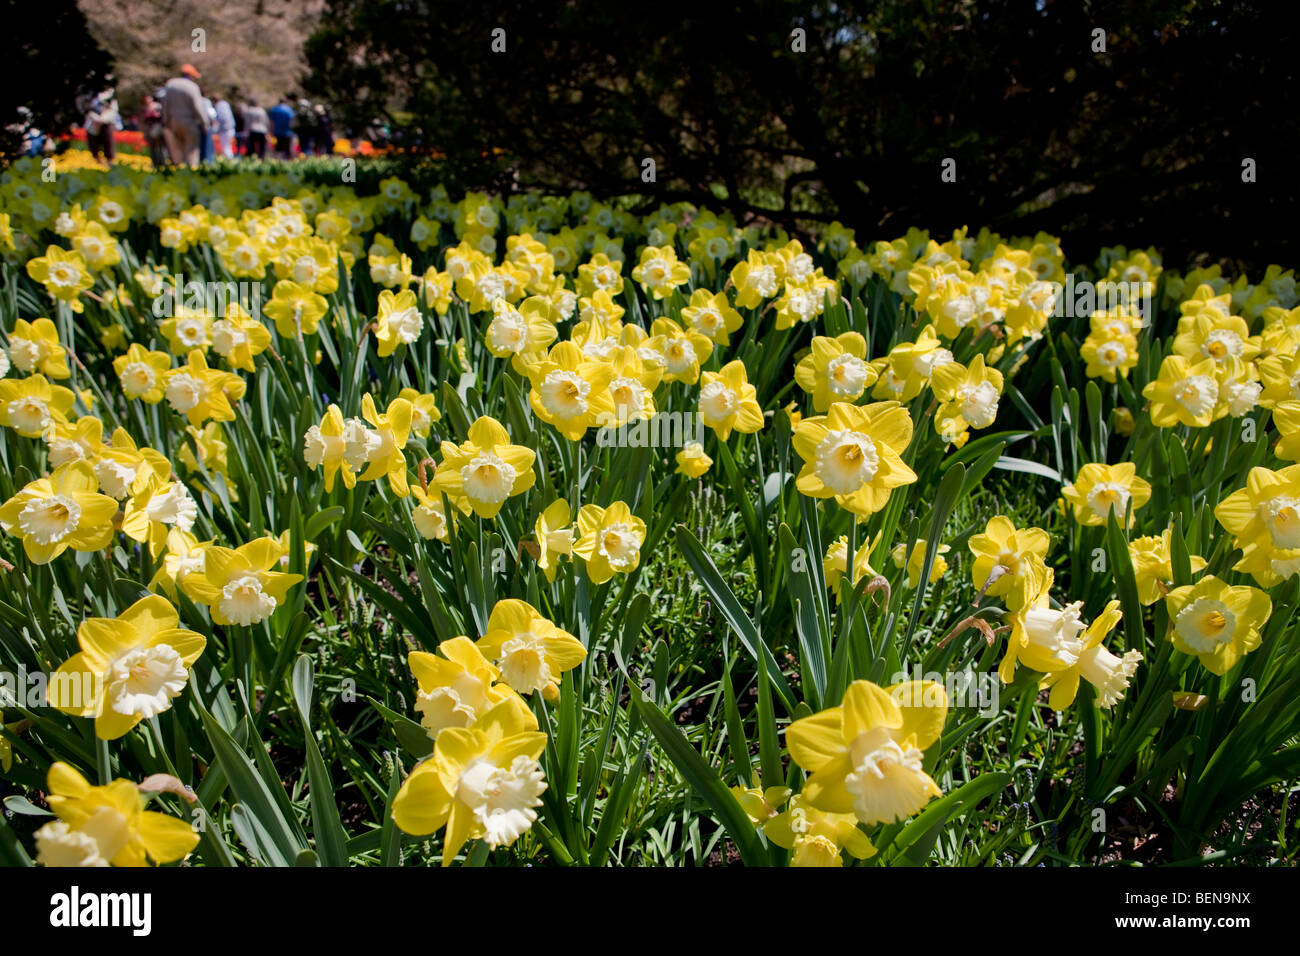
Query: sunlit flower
point(130, 668)
point(238, 585)
point(62, 511)
point(481, 473)
point(530, 650)
point(107, 825)
point(853, 454)
point(1217, 622)
point(1100, 489)
point(609, 540)
point(865, 757)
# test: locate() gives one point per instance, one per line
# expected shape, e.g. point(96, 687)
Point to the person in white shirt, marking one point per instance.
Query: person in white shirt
point(224, 136)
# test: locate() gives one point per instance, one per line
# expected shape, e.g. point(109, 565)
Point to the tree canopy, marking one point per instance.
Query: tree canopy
point(49, 56)
point(1142, 141)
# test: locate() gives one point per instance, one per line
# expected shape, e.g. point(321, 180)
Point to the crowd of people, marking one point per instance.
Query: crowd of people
point(185, 124)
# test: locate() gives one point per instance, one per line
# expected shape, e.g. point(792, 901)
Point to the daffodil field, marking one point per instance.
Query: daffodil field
point(352, 520)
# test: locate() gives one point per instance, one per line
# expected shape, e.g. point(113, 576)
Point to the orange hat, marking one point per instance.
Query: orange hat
point(188, 70)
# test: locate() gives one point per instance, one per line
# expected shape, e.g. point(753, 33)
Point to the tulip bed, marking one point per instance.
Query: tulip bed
point(346, 522)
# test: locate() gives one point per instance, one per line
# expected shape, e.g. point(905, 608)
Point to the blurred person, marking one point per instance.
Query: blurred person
point(282, 117)
point(206, 137)
point(241, 128)
point(150, 122)
point(185, 120)
point(224, 135)
point(257, 124)
point(101, 121)
point(34, 140)
point(307, 144)
point(325, 127)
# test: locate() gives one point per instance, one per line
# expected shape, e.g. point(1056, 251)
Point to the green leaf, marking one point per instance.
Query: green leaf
point(704, 779)
point(273, 837)
point(331, 838)
point(1030, 467)
point(732, 610)
point(412, 736)
point(920, 834)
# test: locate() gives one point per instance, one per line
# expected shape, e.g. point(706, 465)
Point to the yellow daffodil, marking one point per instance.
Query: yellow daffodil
point(481, 782)
point(907, 368)
point(1286, 416)
point(755, 279)
point(309, 261)
point(1008, 552)
point(481, 473)
point(1100, 489)
point(836, 563)
point(64, 275)
point(384, 450)
point(530, 650)
point(82, 440)
point(157, 507)
point(399, 321)
point(609, 540)
point(571, 391)
point(1105, 671)
point(1153, 565)
point(835, 370)
point(62, 511)
point(692, 461)
point(1264, 520)
point(660, 271)
point(631, 388)
point(1281, 378)
point(521, 334)
point(484, 285)
point(969, 396)
point(239, 338)
point(424, 410)
point(711, 314)
point(728, 402)
point(30, 405)
point(129, 668)
point(123, 468)
point(184, 556)
point(142, 373)
point(915, 562)
point(601, 274)
point(430, 514)
point(457, 686)
point(107, 825)
point(804, 301)
point(201, 393)
point(325, 448)
point(1217, 622)
point(760, 804)
point(34, 347)
point(238, 585)
point(1217, 338)
point(554, 535)
point(865, 757)
point(186, 330)
point(209, 450)
point(1052, 640)
point(295, 309)
point(680, 352)
point(99, 250)
point(816, 837)
point(1184, 394)
point(1109, 356)
point(853, 454)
